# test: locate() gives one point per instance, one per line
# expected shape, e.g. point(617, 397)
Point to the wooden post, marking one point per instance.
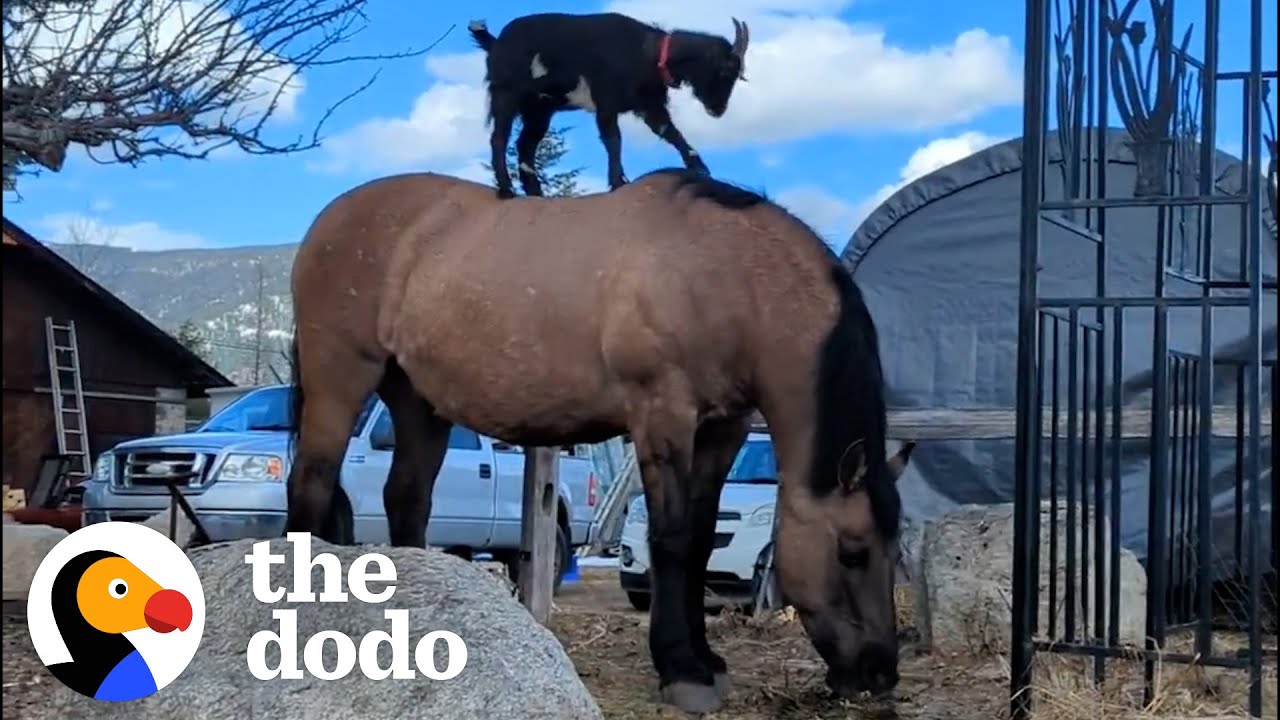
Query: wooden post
point(538, 530)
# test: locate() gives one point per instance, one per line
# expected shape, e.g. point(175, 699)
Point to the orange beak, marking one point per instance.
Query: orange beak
point(168, 610)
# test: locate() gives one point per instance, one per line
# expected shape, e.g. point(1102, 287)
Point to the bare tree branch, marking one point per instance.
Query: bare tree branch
point(148, 78)
point(86, 242)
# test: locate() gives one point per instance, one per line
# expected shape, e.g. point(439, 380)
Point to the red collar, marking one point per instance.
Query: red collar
point(664, 53)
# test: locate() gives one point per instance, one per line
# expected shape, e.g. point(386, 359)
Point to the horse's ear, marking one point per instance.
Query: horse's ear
point(853, 466)
point(898, 463)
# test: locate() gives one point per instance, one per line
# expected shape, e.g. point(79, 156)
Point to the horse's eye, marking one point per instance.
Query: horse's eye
point(854, 559)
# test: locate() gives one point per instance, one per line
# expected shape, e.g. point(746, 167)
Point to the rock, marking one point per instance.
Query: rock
point(515, 667)
point(186, 530)
point(24, 547)
point(963, 589)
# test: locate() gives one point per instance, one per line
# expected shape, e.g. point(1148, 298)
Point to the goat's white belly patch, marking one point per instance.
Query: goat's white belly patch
point(580, 96)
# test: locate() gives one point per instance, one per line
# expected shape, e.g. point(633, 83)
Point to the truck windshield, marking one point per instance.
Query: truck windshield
point(266, 409)
point(755, 464)
point(262, 409)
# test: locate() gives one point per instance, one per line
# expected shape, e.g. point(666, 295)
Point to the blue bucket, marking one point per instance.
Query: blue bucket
point(571, 574)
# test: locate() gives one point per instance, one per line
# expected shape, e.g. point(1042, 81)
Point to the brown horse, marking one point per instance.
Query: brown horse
point(669, 309)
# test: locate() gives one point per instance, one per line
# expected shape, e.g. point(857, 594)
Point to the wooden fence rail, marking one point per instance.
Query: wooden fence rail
point(1001, 424)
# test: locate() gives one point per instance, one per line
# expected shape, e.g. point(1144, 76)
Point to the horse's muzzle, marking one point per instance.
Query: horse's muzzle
point(874, 670)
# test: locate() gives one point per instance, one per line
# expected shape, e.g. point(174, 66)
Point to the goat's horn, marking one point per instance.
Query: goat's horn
point(740, 37)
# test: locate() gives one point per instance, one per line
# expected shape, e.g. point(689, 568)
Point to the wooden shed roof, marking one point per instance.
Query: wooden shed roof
point(197, 374)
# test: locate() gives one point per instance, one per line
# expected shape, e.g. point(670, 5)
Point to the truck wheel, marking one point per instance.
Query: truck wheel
point(561, 561)
point(639, 600)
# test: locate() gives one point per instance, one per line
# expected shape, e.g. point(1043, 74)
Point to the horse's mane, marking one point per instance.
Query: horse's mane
point(850, 374)
point(705, 187)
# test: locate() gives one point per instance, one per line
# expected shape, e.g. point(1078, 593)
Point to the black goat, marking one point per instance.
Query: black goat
point(606, 64)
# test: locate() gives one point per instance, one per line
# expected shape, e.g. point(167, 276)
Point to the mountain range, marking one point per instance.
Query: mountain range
point(238, 298)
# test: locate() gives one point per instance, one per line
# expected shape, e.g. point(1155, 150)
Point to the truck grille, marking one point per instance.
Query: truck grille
point(162, 467)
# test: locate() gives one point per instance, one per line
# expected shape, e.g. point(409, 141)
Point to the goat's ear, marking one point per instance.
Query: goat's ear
point(898, 463)
point(852, 467)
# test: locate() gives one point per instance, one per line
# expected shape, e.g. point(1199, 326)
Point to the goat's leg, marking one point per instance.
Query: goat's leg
point(533, 127)
point(659, 121)
point(607, 123)
point(503, 111)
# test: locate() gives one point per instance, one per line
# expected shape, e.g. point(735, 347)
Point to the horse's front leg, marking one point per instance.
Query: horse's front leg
point(666, 469)
point(715, 447)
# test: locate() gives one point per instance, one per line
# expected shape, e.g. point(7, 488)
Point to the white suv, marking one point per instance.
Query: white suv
point(743, 529)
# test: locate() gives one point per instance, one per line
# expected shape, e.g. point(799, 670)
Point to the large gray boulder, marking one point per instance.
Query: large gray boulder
point(24, 547)
point(515, 667)
point(963, 585)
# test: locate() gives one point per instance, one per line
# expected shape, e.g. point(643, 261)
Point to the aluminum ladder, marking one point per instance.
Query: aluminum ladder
point(615, 460)
point(68, 418)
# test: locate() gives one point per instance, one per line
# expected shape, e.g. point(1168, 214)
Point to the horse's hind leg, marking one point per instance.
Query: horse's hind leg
point(663, 430)
point(422, 438)
point(329, 408)
point(715, 447)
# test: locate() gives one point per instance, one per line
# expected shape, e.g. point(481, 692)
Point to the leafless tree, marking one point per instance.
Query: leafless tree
point(85, 244)
point(147, 78)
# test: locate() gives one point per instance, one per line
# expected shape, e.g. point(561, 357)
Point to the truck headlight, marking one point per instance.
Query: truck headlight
point(637, 513)
point(102, 469)
point(762, 516)
point(244, 466)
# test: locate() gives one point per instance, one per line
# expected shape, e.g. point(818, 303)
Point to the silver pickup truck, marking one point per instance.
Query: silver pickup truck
point(235, 465)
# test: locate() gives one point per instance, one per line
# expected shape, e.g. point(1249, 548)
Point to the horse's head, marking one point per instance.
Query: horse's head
point(836, 566)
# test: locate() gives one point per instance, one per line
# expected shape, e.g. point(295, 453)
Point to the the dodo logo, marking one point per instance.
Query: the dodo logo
point(116, 611)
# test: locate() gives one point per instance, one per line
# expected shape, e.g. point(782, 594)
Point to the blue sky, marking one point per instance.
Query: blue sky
point(846, 101)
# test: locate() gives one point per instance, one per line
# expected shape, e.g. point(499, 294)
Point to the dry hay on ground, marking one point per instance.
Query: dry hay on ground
point(1064, 689)
point(777, 675)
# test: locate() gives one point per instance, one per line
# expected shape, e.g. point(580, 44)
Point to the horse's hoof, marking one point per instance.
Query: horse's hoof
point(693, 698)
point(723, 687)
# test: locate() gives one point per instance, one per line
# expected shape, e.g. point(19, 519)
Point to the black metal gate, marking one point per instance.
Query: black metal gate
point(1083, 422)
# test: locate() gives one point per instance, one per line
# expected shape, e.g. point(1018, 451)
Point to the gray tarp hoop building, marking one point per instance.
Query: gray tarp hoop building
point(938, 263)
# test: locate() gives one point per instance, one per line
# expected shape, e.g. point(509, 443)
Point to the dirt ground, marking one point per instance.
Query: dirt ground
point(775, 672)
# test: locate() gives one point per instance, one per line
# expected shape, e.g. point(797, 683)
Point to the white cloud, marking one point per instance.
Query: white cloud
point(202, 44)
point(77, 229)
point(836, 219)
point(936, 154)
point(830, 216)
point(809, 72)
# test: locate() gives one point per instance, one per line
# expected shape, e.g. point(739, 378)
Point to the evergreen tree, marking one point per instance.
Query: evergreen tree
point(193, 339)
point(552, 149)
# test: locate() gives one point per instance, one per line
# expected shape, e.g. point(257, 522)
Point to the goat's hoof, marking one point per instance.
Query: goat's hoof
point(693, 698)
point(506, 193)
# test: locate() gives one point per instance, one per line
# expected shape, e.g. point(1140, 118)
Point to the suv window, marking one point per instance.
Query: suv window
point(460, 438)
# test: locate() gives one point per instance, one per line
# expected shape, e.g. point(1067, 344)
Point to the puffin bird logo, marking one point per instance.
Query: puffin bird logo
point(97, 597)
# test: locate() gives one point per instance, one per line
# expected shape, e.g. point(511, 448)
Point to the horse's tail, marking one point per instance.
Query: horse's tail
point(850, 400)
point(480, 33)
point(295, 395)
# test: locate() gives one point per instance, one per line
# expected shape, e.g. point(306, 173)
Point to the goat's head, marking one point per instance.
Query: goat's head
point(712, 67)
